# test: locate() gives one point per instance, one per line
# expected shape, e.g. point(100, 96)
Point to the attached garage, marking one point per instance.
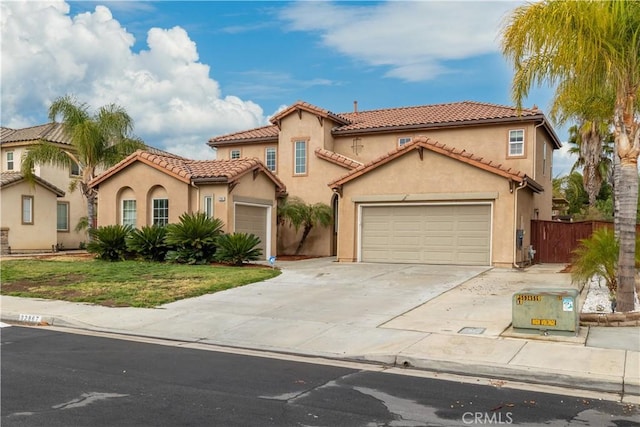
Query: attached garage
point(254, 219)
point(431, 234)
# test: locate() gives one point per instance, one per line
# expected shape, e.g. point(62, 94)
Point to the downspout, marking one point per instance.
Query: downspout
point(520, 186)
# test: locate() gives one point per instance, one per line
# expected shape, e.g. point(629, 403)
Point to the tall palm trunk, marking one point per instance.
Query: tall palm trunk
point(591, 152)
point(628, 144)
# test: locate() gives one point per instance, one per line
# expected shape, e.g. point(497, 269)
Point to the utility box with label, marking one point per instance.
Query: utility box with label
point(546, 310)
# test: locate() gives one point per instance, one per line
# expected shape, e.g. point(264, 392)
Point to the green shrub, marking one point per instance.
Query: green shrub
point(149, 242)
point(109, 242)
point(238, 248)
point(193, 239)
point(598, 256)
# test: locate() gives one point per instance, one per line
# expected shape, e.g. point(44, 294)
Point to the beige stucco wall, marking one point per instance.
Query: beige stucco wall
point(41, 235)
point(436, 179)
point(145, 183)
point(61, 178)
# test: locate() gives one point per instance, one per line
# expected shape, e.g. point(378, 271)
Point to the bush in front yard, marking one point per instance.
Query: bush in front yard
point(193, 238)
point(109, 242)
point(238, 248)
point(149, 242)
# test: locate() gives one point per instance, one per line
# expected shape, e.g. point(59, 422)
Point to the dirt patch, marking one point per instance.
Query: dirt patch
point(26, 285)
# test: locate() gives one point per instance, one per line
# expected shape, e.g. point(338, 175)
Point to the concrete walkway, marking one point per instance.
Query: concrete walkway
point(439, 318)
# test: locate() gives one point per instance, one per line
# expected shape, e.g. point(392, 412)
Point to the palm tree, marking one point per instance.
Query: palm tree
point(594, 45)
point(96, 141)
point(594, 152)
point(307, 216)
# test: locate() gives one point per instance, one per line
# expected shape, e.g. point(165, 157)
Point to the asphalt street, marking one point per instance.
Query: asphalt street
point(51, 378)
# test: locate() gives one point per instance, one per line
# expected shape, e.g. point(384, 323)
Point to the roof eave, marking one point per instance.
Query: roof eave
point(439, 125)
point(243, 141)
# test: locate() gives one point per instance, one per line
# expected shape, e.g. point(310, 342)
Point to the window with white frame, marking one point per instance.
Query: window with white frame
point(160, 211)
point(27, 210)
point(300, 158)
point(207, 205)
point(270, 158)
point(129, 212)
point(235, 154)
point(62, 215)
point(544, 157)
point(404, 140)
point(516, 142)
point(9, 160)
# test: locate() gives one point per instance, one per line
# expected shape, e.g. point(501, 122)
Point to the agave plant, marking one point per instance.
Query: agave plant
point(238, 248)
point(109, 242)
point(194, 238)
point(149, 242)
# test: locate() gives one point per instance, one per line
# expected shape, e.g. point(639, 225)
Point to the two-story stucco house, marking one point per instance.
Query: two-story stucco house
point(43, 215)
point(452, 183)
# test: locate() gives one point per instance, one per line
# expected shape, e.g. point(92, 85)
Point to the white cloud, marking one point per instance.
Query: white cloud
point(46, 53)
point(563, 161)
point(415, 39)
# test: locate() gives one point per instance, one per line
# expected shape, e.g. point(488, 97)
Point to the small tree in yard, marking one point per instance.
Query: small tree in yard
point(300, 214)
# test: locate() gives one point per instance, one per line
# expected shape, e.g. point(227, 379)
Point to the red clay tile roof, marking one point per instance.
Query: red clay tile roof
point(422, 142)
point(8, 178)
point(262, 134)
point(338, 159)
point(305, 106)
point(393, 119)
point(438, 114)
point(189, 171)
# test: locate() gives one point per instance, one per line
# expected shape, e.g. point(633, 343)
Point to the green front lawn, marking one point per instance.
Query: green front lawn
point(121, 284)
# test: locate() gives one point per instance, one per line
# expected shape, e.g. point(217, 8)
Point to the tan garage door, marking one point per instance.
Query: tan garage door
point(253, 220)
point(427, 234)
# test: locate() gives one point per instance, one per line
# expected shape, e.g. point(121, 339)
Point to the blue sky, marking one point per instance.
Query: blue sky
point(188, 71)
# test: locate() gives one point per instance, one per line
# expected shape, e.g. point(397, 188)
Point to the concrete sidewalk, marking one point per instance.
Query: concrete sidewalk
point(449, 319)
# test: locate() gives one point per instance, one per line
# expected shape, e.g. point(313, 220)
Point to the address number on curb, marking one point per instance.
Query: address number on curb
point(31, 318)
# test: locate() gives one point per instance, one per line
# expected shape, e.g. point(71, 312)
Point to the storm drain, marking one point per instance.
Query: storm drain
point(471, 331)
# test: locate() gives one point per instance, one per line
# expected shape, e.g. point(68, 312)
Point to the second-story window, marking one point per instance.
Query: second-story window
point(300, 158)
point(10, 160)
point(75, 169)
point(235, 154)
point(516, 142)
point(544, 158)
point(404, 140)
point(270, 158)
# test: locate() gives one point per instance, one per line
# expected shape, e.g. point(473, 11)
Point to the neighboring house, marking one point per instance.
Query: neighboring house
point(451, 183)
point(61, 212)
point(26, 212)
point(147, 188)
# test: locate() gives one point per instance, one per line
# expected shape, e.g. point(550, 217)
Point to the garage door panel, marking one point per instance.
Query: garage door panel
point(252, 220)
point(433, 234)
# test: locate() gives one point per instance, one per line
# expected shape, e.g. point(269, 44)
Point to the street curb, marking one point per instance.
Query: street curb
point(608, 384)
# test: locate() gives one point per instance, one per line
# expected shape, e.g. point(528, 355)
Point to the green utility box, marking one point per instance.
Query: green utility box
point(546, 310)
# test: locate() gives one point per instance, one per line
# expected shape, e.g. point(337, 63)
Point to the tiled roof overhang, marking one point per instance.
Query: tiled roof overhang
point(420, 143)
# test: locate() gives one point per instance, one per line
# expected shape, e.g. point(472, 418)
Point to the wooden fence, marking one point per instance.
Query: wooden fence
point(554, 241)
